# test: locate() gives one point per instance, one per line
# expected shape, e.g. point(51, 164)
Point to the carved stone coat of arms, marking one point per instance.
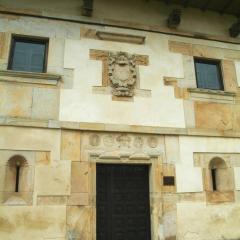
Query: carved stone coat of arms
point(122, 74)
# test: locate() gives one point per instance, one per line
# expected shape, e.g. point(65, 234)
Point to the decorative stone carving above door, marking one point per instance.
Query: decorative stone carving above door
point(120, 74)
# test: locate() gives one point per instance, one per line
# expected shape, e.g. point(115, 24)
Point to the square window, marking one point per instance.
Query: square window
point(168, 181)
point(208, 74)
point(27, 54)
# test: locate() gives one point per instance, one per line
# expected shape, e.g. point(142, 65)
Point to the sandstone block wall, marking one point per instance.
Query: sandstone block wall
point(66, 121)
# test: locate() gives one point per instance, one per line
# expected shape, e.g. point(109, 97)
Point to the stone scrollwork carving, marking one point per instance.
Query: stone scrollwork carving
point(122, 73)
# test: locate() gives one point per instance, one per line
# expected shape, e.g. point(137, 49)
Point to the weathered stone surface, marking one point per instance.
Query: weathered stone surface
point(220, 197)
point(180, 47)
point(16, 100)
point(192, 197)
point(197, 50)
point(67, 78)
point(189, 80)
point(32, 222)
point(237, 197)
point(79, 177)
point(53, 180)
point(156, 184)
point(52, 200)
point(98, 54)
point(237, 178)
point(214, 96)
point(142, 60)
point(189, 179)
point(70, 145)
point(34, 139)
point(55, 53)
point(212, 221)
point(207, 52)
point(33, 78)
point(158, 113)
point(118, 37)
point(189, 113)
point(237, 66)
point(79, 222)
point(2, 177)
point(229, 75)
point(2, 41)
point(6, 155)
point(45, 103)
point(168, 170)
point(203, 159)
point(213, 115)
point(42, 158)
point(54, 124)
point(78, 199)
point(17, 199)
point(4, 45)
point(172, 149)
point(88, 33)
point(169, 217)
point(236, 117)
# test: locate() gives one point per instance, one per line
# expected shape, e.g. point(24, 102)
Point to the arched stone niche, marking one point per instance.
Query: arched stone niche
point(18, 184)
point(221, 177)
point(218, 181)
point(16, 174)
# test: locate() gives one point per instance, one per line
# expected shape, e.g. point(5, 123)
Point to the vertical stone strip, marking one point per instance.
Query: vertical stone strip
point(229, 75)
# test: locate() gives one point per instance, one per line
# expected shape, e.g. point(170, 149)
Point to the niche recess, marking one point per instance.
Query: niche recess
point(218, 181)
point(217, 175)
point(18, 185)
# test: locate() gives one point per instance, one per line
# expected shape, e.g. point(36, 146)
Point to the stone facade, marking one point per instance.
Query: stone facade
point(118, 91)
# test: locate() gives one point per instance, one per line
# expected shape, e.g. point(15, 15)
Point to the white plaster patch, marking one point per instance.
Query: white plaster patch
point(189, 179)
point(191, 145)
point(209, 222)
point(82, 105)
point(237, 178)
point(237, 65)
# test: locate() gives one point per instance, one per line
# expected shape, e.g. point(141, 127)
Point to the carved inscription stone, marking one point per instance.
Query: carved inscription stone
point(124, 140)
point(121, 145)
point(122, 73)
point(108, 140)
point(138, 142)
point(119, 74)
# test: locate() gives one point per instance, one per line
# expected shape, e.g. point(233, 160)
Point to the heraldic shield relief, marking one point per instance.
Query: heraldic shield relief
point(122, 74)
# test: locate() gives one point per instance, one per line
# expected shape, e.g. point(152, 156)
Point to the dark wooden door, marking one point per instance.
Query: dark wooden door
point(123, 202)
